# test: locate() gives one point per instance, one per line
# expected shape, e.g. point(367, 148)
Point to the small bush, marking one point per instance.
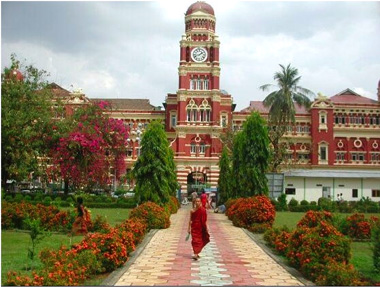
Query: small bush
point(357, 227)
point(100, 225)
point(325, 204)
point(154, 215)
point(376, 244)
point(338, 274)
point(283, 206)
point(18, 197)
point(293, 202)
point(137, 226)
point(304, 202)
point(254, 213)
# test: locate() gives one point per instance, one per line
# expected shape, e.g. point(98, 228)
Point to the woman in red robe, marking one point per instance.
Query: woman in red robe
point(198, 228)
point(204, 199)
point(83, 219)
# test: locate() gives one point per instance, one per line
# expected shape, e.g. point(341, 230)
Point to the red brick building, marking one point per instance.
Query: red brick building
point(334, 148)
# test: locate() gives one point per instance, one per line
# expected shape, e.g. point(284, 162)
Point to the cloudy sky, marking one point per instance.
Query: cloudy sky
point(131, 49)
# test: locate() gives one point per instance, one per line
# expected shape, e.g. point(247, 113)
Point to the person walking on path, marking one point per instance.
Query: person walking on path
point(194, 196)
point(204, 199)
point(198, 228)
point(81, 223)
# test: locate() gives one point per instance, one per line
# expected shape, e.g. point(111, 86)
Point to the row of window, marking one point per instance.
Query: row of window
point(199, 84)
point(375, 192)
point(340, 156)
point(197, 148)
point(358, 120)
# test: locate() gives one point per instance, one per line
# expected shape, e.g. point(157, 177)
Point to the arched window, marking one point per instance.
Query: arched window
point(192, 111)
point(205, 110)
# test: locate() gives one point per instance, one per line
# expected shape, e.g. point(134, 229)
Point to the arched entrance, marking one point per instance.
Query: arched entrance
point(196, 181)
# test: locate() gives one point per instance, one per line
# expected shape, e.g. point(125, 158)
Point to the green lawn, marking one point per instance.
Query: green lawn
point(361, 251)
point(14, 250)
point(14, 245)
point(113, 215)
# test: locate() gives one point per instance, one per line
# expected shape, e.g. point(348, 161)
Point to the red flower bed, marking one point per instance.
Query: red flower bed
point(136, 226)
point(13, 215)
point(111, 248)
point(358, 227)
point(173, 205)
point(315, 243)
point(155, 216)
point(254, 213)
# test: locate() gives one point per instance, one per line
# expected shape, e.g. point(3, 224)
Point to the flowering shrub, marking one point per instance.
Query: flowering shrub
point(254, 213)
point(376, 243)
point(339, 274)
point(111, 249)
point(312, 218)
point(60, 268)
point(316, 242)
point(229, 203)
point(172, 205)
point(85, 155)
point(278, 239)
point(136, 226)
point(99, 224)
point(155, 216)
point(13, 215)
point(357, 227)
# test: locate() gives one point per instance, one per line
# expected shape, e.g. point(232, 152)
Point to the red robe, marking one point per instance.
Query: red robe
point(199, 234)
point(204, 199)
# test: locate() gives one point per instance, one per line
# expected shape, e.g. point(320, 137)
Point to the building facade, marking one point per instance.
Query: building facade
point(334, 147)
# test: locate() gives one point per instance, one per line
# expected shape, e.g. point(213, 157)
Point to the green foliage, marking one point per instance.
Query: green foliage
point(282, 202)
point(376, 245)
point(282, 109)
point(225, 176)
point(250, 158)
point(154, 216)
point(293, 202)
point(154, 170)
point(26, 126)
point(37, 233)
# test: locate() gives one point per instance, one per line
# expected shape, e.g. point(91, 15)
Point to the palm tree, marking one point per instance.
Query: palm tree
point(281, 107)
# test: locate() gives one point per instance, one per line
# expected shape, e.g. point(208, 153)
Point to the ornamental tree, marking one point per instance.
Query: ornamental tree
point(251, 155)
point(225, 176)
point(25, 120)
point(96, 144)
point(154, 170)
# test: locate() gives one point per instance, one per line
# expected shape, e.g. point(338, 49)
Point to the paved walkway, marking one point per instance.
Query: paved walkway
point(231, 258)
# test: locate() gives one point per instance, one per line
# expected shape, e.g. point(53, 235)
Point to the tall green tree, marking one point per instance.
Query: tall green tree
point(282, 109)
point(225, 176)
point(251, 155)
point(154, 170)
point(26, 124)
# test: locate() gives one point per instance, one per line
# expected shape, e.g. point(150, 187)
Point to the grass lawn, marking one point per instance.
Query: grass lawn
point(14, 250)
point(362, 260)
point(113, 215)
point(361, 251)
point(14, 245)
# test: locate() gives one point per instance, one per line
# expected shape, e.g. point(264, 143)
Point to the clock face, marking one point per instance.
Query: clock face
point(199, 54)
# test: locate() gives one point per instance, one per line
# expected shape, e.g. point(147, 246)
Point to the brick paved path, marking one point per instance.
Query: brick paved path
point(231, 258)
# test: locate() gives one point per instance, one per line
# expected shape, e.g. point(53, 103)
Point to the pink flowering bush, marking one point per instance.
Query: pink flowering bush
point(85, 155)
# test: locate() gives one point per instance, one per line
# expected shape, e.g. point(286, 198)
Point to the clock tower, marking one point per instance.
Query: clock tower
point(199, 112)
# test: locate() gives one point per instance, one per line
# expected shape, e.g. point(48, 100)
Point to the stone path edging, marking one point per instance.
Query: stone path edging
point(260, 242)
point(115, 275)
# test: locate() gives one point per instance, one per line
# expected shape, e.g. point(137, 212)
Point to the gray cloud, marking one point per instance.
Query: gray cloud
point(131, 49)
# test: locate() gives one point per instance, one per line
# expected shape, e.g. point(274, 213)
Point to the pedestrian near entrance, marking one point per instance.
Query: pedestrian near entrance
point(204, 199)
point(198, 228)
point(194, 196)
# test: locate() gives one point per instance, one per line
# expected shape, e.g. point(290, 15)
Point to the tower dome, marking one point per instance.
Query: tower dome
point(200, 6)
